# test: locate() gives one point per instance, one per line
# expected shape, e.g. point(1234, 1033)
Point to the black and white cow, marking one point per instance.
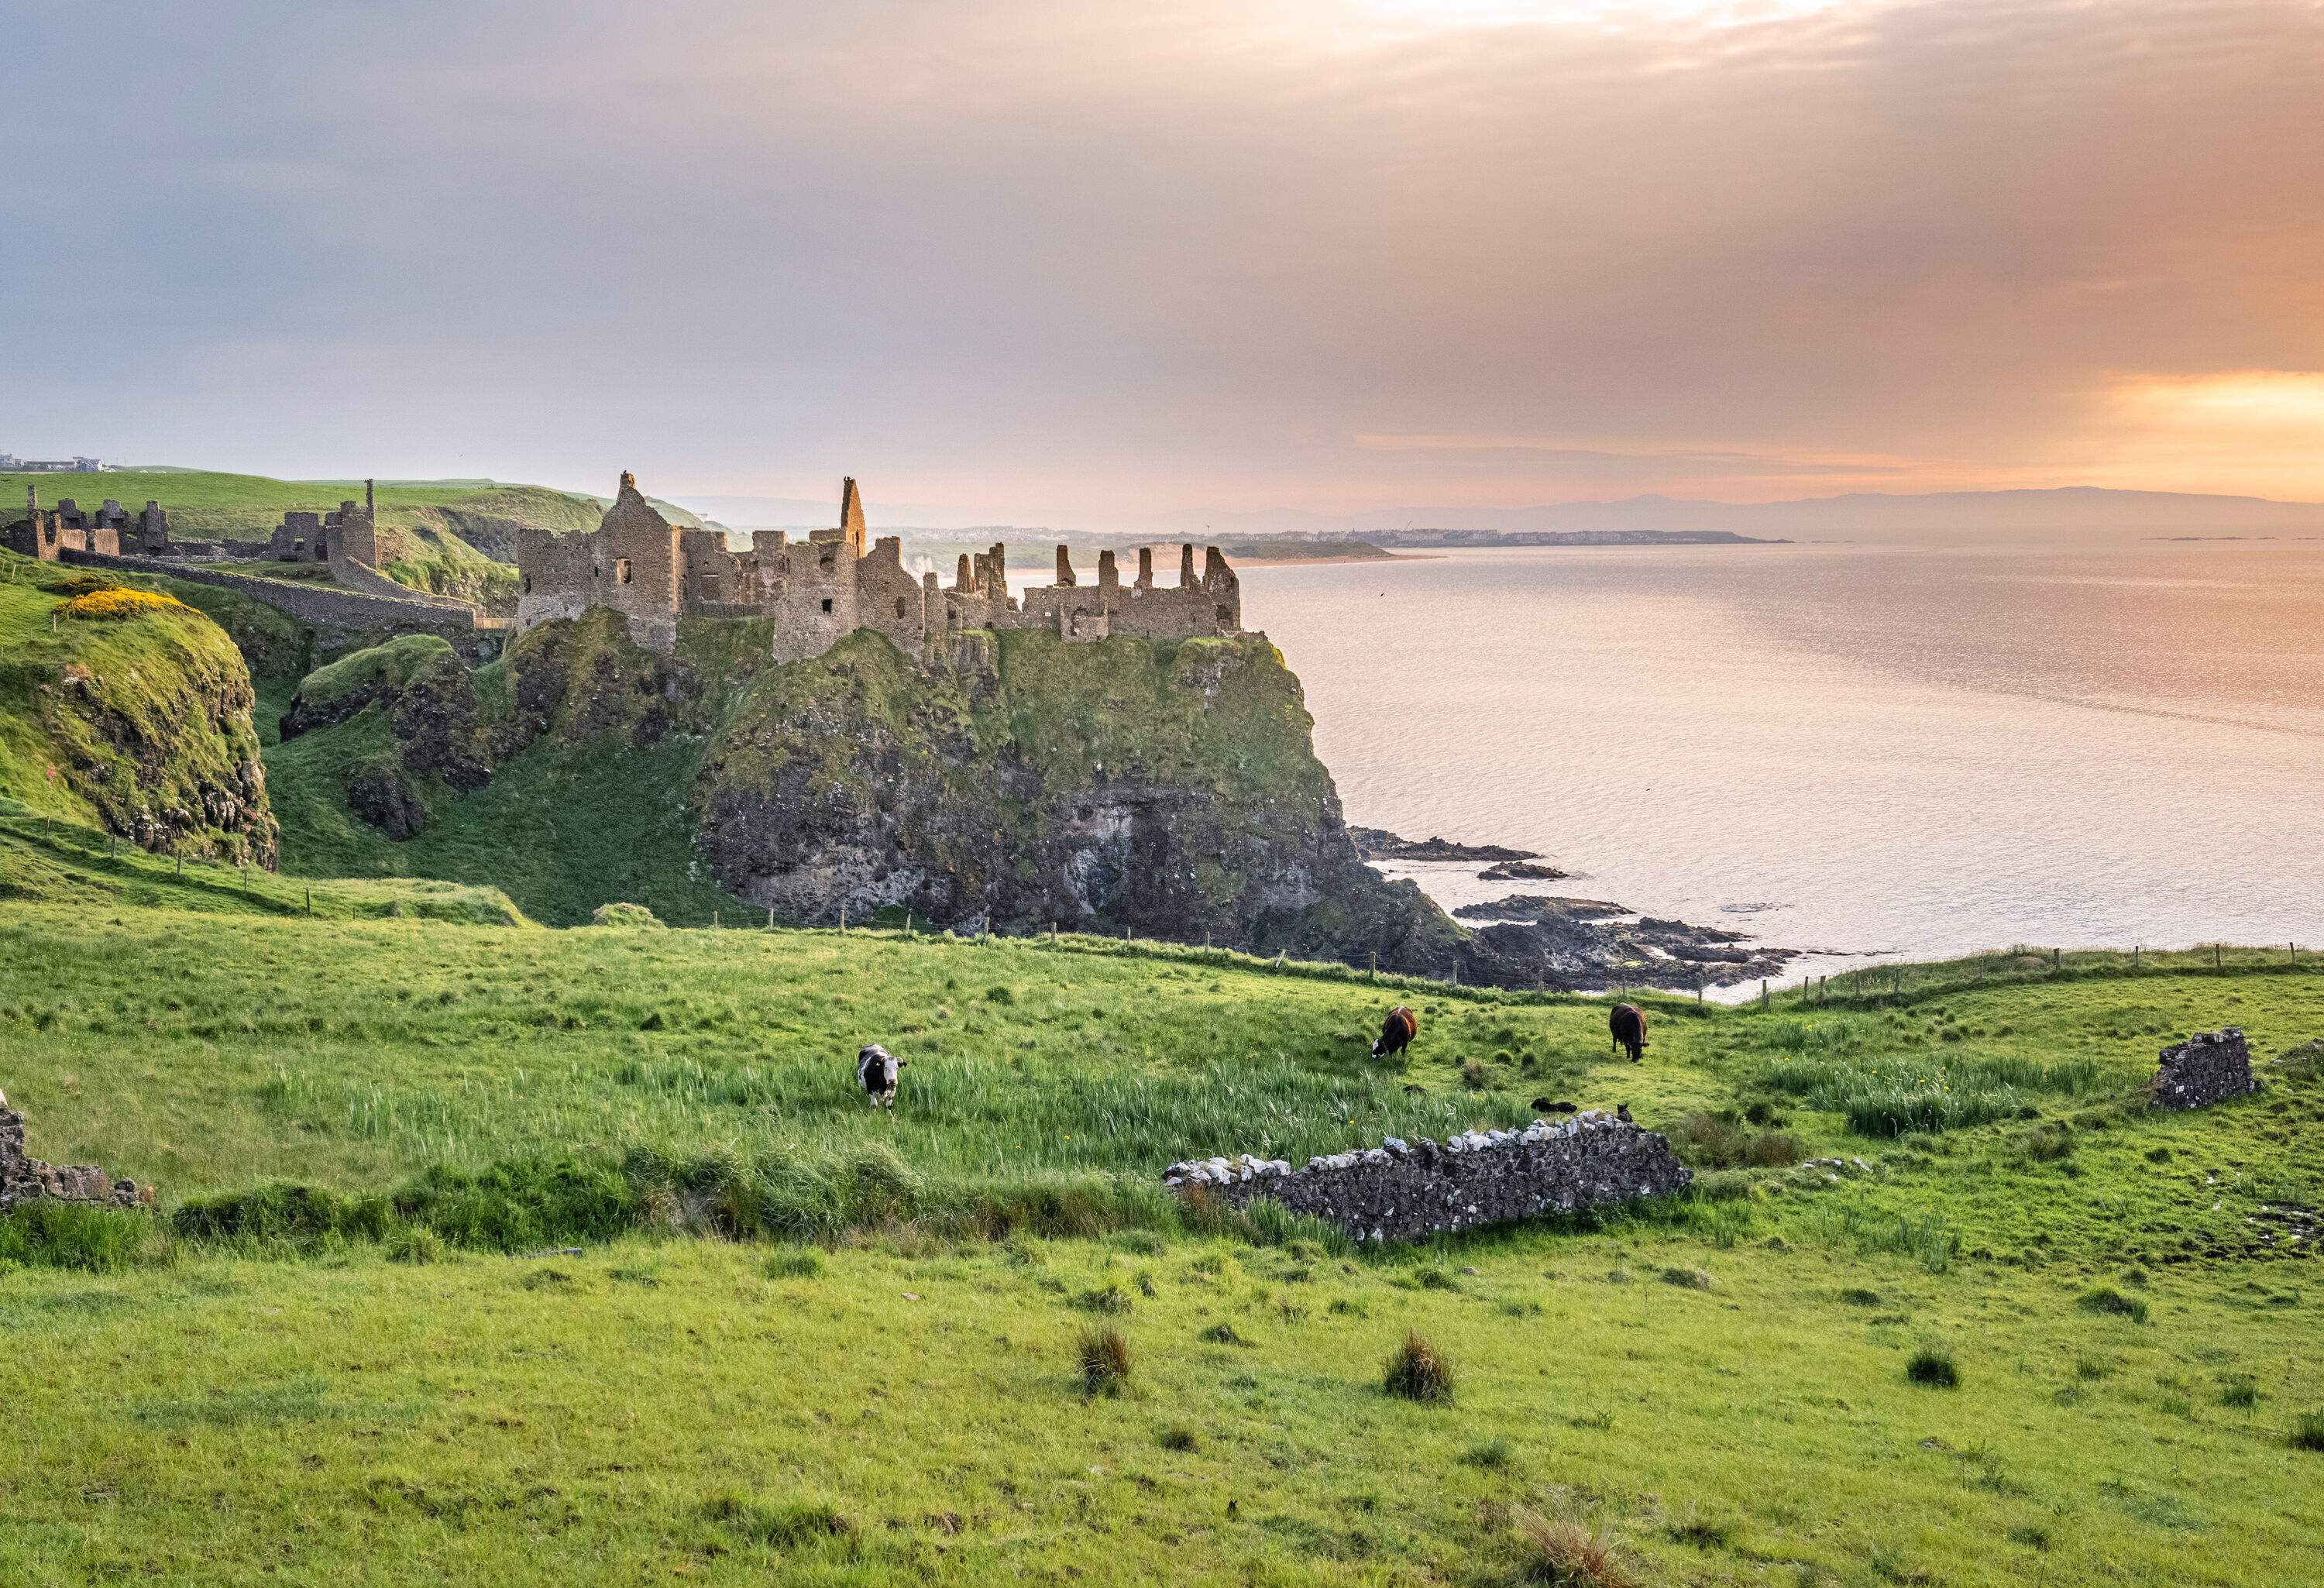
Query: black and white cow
point(876, 1068)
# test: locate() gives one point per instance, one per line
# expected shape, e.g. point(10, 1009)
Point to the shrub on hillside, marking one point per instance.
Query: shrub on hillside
point(114, 603)
point(623, 915)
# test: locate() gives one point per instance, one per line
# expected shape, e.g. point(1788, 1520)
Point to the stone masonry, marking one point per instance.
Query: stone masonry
point(1399, 1191)
point(24, 1179)
point(819, 590)
point(46, 533)
point(2207, 1067)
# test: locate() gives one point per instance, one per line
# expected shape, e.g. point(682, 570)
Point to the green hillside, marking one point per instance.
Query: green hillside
point(449, 537)
point(872, 1370)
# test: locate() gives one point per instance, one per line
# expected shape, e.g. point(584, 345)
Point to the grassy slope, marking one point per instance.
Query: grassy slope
point(656, 1408)
point(580, 818)
point(62, 864)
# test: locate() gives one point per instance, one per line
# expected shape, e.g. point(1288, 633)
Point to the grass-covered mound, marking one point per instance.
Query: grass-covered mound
point(2066, 1344)
point(126, 709)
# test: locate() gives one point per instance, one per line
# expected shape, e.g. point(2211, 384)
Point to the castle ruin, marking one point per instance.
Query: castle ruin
point(107, 530)
point(819, 590)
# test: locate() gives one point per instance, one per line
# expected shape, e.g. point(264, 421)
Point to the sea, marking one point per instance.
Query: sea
point(1865, 751)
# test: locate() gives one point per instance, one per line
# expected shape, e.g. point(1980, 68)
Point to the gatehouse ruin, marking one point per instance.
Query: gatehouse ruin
point(819, 590)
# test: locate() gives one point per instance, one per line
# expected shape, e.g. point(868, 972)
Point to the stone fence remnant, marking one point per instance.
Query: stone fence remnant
point(1406, 1192)
point(2207, 1067)
point(24, 1179)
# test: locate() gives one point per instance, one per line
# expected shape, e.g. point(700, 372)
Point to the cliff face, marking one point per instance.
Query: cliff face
point(1170, 788)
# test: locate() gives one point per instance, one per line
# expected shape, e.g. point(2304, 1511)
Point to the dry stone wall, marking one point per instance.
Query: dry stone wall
point(1400, 1191)
point(2207, 1067)
point(24, 1179)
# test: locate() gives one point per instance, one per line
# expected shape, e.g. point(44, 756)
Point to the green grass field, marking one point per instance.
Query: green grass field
point(410, 1391)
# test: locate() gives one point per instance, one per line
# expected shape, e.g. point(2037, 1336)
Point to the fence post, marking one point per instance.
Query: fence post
point(843, 918)
point(1370, 976)
point(310, 901)
point(1763, 993)
point(2217, 964)
point(713, 920)
point(771, 920)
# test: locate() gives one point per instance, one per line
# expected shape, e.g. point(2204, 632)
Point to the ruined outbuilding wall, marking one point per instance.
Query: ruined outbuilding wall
point(25, 1179)
point(336, 614)
point(1400, 1192)
point(2207, 1067)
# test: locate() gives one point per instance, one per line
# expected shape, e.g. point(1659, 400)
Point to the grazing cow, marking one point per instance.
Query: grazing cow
point(876, 1068)
point(1544, 1106)
point(1628, 1021)
point(1397, 1032)
point(1622, 1112)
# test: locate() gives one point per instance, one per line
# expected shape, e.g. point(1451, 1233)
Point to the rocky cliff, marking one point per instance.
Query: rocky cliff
point(1169, 789)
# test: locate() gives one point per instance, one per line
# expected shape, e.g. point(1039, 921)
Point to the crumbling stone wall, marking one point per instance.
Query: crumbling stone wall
point(1400, 1192)
point(2207, 1067)
point(339, 617)
point(25, 1179)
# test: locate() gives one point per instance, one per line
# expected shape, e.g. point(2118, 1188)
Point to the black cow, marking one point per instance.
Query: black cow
point(1628, 1022)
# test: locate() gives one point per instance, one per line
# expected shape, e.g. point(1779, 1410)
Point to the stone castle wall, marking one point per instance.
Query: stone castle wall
point(817, 591)
point(1400, 1192)
point(2207, 1067)
point(25, 1179)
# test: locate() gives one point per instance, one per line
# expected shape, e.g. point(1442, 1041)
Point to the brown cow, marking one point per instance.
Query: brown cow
point(1397, 1032)
point(1628, 1022)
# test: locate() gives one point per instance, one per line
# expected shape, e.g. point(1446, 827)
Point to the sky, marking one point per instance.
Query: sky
point(1065, 260)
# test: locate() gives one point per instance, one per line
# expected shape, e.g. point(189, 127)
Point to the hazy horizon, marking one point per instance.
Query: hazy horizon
point(1040, 264)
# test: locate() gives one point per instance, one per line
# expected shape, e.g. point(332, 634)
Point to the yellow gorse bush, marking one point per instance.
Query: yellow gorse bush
point(121, 604)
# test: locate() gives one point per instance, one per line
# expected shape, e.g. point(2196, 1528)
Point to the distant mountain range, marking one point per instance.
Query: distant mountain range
point(2074, 507)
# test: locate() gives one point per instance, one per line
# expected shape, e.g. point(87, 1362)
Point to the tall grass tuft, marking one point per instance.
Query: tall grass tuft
point(1417, 1370)
point(1564, 1549)
point(1105, 1360)
point(1934, 1366)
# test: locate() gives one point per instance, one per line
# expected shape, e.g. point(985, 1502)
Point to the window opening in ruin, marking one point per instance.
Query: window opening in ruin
point(826, 603)
point(524, 585)
point(1222, 615)
point(622, 569)
point(900, 606)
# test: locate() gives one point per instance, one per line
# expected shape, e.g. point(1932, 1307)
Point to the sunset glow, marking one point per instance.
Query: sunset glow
point(1048, 262)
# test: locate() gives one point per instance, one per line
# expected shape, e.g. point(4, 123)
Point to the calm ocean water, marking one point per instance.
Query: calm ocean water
point(1887, 749)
